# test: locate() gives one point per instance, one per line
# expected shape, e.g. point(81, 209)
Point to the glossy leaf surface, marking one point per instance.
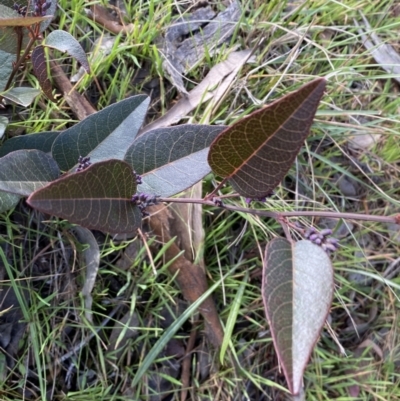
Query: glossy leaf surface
point(297, 291)
point(172, 159)
point(98, 197)
point(25, 171)
point(42, 141)
point(255, 153)
point(119, 123)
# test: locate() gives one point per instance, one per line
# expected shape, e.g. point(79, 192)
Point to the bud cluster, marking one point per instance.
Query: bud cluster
point(138, 177)
point(41, 6)
point(321, 238)
point(21, 10)
point(143, 200)
point(84, 162)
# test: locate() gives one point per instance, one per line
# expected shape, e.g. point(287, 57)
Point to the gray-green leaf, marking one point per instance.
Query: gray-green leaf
point(297, 291)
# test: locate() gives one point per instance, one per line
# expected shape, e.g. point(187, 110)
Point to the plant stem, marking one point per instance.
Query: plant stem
point(282, 215)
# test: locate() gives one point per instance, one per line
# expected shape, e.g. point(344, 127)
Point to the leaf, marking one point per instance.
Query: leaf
point(219, 77)
point(21, 21)
point(8, 201)
point(255, 153)
point(92, 262)
point(3, 125)
point(39, 65)
point(297, 291)
point(385, 55)
point(119, 123)
point(21, 95)
point(65, 42)
point(172, 159)
point(98, 198)
point(25, 171)
point(6, 66)
point(41, 141)
point(46, 20)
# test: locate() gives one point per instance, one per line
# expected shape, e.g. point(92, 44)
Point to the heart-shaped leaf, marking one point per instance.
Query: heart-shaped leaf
point(42, 141)
point(25, 171)
point(98, 197)
point(297, 291)
point(255, 153)
point(119, 123)
point(172, 159)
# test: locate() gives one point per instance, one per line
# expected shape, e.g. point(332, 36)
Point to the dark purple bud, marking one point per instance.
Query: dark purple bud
point(309, 231)
point(218, 202)
point(46, 6)
point(318, 241)
point(330, 247)
point(325, 232)
point(313, 236)
point(332, 240)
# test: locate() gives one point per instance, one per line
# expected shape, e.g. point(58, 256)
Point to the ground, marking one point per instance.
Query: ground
point(351, 162)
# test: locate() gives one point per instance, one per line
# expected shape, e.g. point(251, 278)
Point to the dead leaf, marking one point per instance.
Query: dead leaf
point(190, 277)
point(215, 82)
point(383, 54)
point(92, 262)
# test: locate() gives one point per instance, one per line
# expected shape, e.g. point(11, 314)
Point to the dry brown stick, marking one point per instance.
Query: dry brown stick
point(190, 277)
point(78, 103)
point(100, 15)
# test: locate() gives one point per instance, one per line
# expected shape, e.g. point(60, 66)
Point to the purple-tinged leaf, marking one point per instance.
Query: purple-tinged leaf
point(98, 197)
point(255, 153)
point(297, 291)
point(39, 65)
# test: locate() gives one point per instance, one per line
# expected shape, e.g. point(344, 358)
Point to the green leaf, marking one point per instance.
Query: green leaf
point(255, 153)
point(98, 198)
point(25, 171)
point(8, 201)
point(6, 65)
point(21, 95)
point(118, 123)
point(297, 291)
point(172, 159)
point(65, 42)
point(41, 141)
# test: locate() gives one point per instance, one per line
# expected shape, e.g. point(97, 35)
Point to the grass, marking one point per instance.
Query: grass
point(358, 359)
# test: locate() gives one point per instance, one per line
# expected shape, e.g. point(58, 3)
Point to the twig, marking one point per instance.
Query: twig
point(279, 215)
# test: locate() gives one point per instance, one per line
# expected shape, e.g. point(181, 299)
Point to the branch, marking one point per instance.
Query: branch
point(280, 215)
